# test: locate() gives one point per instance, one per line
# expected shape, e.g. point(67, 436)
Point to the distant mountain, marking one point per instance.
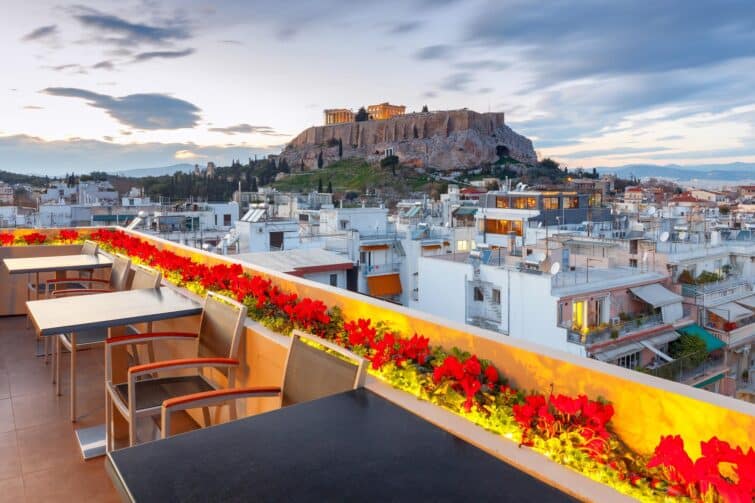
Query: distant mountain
point(732, 172)
point(165, 170)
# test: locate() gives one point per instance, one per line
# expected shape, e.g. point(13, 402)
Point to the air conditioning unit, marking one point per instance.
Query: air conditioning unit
point(615, 320)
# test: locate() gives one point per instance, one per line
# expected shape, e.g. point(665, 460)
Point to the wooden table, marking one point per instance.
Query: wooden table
point(66, 314)
point(353, 446)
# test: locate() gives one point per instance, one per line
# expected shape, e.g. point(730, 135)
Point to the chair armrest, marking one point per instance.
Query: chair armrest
point(148, 337)
point(77, 279)
point(209, 398)
point(183, 363)
point(78, 291)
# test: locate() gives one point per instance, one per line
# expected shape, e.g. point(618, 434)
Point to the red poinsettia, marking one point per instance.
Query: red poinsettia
point(35, 238)
point(359, 332)
point(6, 239)
point(68, 235)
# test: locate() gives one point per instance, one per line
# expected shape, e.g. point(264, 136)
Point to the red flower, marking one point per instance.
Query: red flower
point(491, 376)
point(472, 366)
point(670, 454)
point(68, 235)
point(35, 238)
point(451, 367)
point(6, 239)
point(359, 333)
point(566, 405)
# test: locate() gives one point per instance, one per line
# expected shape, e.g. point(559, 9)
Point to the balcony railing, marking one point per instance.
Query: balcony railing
point(703, 295)
point(688, 369)
point(611, 331)
point(369, 270)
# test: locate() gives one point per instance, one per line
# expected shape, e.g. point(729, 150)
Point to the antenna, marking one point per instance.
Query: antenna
point(555, 268)
point(664, 237)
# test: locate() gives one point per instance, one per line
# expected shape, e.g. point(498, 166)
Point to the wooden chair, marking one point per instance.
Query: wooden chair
point(310, 373)
point(217, 343)
point(85, 339)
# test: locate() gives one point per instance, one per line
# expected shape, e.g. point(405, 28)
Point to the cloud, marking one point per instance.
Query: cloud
point(485, 90)
point(41, 33)
point(613, 152)
point(232, 42)
point(429, 94)
point(33, 107)
point(37, 155)
point(183, 155)
point(141, 111)
point(407, 27)
point(439, 51)
point(247, 129)
point(73, 67)
point(104, 65)
point(483, 64)
point(146, 56)
point(114, 30)
point(456, 81)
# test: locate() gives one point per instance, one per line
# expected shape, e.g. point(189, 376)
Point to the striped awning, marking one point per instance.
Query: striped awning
point(384, 285)
point(614, 353)
point(731, 311)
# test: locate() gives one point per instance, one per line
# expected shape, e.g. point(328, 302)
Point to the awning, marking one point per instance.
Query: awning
point(412, 212)
point(731, 311)
point(612, 354)
point(384, 285)
point(373, 247)
point(431, 247)
point(664, 338)
point(657, 351)
point(747, 301)
point(711, 342)
point(709, 381)
point(656, 295)
point(465, 211)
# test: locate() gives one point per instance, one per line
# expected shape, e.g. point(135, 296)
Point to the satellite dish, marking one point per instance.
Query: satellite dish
point(539, 225)
point(555, 268)
point(651, 211)
point(664, 237)
point(644, 257)
point(682, 236)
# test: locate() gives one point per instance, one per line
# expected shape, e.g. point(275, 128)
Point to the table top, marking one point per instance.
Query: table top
point(56, 263)
point(353, 446)
point(55, 316)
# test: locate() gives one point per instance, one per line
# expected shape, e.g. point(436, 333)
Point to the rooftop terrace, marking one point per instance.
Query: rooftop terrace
point(47, 464)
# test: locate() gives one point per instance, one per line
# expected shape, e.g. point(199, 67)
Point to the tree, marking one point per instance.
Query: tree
point(330, 187)
point(254, 187)
point(594, 173)
point(424, 109)
point(319, 185)
point(283, 166)
point(549, 163)
point(320, 162)
point(390, 162)
point(361, 115)
point(340, 148)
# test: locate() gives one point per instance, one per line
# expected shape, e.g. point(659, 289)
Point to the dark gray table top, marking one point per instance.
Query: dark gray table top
point(55, 316)
point(354, 446)
point(56, 263)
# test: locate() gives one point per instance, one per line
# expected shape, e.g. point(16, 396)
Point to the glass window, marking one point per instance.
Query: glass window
point(334, 280)
point(596, 200)
point(630, 361)
point(532, 203)
point(462, 245)
point(550, 203)
point(496, 296)
point(502, 202)
point(571, 202)
point(520, 203)
point(478, 295)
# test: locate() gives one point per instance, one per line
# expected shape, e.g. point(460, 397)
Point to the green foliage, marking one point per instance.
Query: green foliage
point(691, 348)
point(424, 109)
point(686, 278)
point(707, 277)
point(320, 161)
point(549, 163)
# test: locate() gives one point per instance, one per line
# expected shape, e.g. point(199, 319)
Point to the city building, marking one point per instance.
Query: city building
point(6, 194)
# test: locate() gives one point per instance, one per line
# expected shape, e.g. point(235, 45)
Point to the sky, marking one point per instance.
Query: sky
point(128, 84)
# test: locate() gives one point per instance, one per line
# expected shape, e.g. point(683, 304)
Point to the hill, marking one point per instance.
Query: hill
point(165, 170)
point(732, 172)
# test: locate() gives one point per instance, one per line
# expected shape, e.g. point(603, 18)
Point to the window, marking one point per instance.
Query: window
point(571, 202)
point(227, 219)
point(362, 257)
point(496, 296)
point(130, 202)
point(520, 203)
point(502, 202)
point(532, 203)
point(334, 280)
point(630, 361)
point(596, 200)
point(479, 296)
point(550, 203)
point(633, 262)
point(503, 226)
point(343, 224)
point(462, 245)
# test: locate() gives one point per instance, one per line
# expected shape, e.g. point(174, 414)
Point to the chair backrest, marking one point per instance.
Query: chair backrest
point(119, 273)
point(89, 248)
point(145, 277)
point(220, 327)
point(313, 373)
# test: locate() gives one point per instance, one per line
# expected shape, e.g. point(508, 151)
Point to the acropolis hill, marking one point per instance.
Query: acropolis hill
point(443, 140)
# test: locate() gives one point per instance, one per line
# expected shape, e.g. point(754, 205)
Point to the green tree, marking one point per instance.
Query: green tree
point(320, 162)
point(549, 163)
point(340, 148)
point(424, 109)
point(254, 187)
point(689, 347)
point(319, 185)
point(390, 162)
point(330, 187)
point(361, 115)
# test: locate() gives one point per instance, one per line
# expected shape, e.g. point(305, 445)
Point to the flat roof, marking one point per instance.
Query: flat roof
point(299, 260)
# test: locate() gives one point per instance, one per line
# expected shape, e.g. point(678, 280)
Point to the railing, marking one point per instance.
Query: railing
point(689, 368)
point(614, 331)
point(368, 270)
point(707, 293)
point(735, 336)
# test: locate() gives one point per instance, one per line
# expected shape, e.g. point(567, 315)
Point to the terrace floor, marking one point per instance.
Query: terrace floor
point(39, 455)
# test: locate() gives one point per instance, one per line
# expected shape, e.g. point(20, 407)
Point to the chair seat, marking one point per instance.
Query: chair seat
point(90, 336)
point(152, 392)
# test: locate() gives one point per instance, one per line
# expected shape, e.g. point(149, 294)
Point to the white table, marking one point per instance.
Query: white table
point(55, 316)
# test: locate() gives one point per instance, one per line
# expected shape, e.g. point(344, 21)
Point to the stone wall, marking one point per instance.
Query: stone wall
point(443, 140)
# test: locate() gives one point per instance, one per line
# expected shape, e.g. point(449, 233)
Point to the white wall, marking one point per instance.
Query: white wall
point(324, 278)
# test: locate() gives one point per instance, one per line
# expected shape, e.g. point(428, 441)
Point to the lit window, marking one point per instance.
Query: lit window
point(550, 203)
point(532, 203)
point(501, 202)
point(520, 203)
point(462, 245)
point(571, 202)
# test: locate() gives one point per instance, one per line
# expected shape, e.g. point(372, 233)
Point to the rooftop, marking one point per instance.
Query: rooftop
point(297, 261)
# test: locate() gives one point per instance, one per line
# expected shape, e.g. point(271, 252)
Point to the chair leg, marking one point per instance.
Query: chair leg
point(132, 431)
point(53, 370)
point(73, 377)
point(206, 414)
point(108, 421)
point(58, 351)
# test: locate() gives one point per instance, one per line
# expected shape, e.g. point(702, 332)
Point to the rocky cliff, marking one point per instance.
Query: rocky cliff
point(442, 140)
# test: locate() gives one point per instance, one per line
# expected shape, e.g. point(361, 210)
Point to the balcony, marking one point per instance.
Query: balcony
point(596, 335)
point(666, 407)
point(369, 270)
